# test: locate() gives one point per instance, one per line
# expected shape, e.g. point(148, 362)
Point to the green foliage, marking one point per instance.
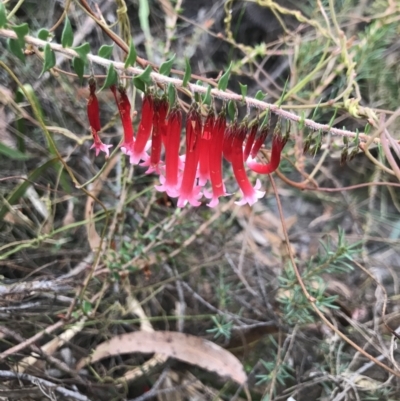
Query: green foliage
point(67, 36)
point(83, 50)
point(333, 260)
point(21, 31)
point(14, 47)
point(105, 51)
point(143, 79)
point(3, 16)
point(131, 58)
point(49, 59)
point(12, 153)
point(222, 327)
point(111, 78)
point(259, 95)
point(243, 90)
point(188, 73)
point(79, 67)
point(207, 96)
point(165, 67)
point(43, 34)
point(275, 368)
point(223, 81)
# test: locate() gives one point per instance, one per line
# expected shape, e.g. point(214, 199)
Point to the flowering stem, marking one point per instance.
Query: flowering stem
point(278, 143)
point(162, 79)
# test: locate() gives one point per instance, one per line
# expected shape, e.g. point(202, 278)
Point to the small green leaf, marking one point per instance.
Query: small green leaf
point(223, 81)
point(139, 84)
point(12, 153)
point(86, 307)
point(140, 81)
point(83, 51)
point(105, 51)
point(15, 48)
point(232, 109)
point(165, 67)
point(111, 78)
point(171, 95)
point(79, 67)
point(31, 97)
point(20, 190)
point(131, 58)
point(3, 16)
point(188, 73)
point(145, 75)
point(21, 31)
point(207, 96)
point(259, 95)
point(43, 34)
point(67, 36)
point(49, 59)
point(243, 90)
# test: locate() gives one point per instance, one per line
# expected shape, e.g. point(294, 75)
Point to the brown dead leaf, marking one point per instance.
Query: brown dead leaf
point(185, 347)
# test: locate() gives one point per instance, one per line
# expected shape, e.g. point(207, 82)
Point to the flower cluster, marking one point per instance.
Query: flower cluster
point(209, 140)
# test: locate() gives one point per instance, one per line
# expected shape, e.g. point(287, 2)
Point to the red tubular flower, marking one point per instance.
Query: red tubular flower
point(250, 140)
point(159, 127)
point(187, 191)
point(250, 194)
point(259, 141)
point(94, 120)
point(172, 143)
point(124, 107)
point(144, 131)
point(205, 147)
point(228, 141)
point(215, 160)
point(278, 143)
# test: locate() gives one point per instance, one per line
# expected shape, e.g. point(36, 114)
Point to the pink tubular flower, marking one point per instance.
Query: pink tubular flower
point(188, 192)
point(144, 131)
point(250, 194)
point(98, 145)
point(250, 140)
point(259, 141)
point(159, 127)
point(228, 141)
point(124, 107)
point(205, 147)
point(278, 143)
point(172, 143)
point(94, 120)
point(215, 160)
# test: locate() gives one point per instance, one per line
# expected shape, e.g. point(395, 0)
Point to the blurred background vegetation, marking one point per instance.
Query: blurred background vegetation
point(222, 274)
